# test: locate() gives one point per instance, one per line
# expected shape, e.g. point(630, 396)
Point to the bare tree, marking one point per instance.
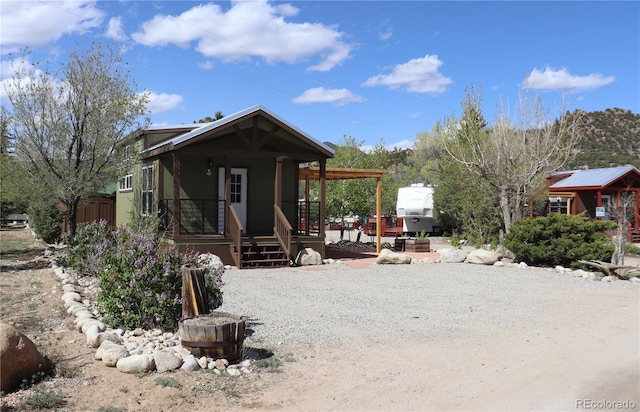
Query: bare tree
point(67, 124)
point(511, 154)
point(622, 211)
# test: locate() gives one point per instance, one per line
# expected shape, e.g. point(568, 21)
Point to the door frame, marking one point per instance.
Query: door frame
point(243, 208)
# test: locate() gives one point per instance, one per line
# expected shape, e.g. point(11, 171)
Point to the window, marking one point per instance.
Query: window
point(236, 188)
point(558, 204)
point(147, 190)
point(125, 183)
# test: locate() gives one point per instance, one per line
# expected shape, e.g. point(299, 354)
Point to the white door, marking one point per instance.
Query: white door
point(238, 196)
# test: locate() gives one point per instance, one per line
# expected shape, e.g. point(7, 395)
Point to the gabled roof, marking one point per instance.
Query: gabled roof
point(593, 178)
point(200, 129)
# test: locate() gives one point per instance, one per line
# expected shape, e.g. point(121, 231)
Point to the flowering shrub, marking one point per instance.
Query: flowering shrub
point(87, 249)
point(140, 281)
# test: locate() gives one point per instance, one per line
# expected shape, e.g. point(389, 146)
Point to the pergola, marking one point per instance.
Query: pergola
point(313, 173)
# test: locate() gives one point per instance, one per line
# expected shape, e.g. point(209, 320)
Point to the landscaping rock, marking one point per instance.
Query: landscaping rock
point(307, 257)
point(166, 361)
point(190, 363)
point(110, 353)
point(448, 255)
point(387, 256)
point(482, 257)
point(19, 358)
point(136, 364)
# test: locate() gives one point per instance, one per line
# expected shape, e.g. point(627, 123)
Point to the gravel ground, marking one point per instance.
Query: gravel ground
point(334, 304)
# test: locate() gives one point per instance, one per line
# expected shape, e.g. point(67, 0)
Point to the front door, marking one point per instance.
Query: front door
point(238, 196)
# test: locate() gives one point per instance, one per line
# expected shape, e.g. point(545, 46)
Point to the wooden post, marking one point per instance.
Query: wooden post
point(195, 298)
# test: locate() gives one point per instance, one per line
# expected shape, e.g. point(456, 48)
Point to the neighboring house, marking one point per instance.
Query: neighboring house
point(600, 194)
point(230, 187)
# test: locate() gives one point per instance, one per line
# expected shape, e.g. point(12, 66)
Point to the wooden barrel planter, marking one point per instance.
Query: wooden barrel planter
point(215, 335)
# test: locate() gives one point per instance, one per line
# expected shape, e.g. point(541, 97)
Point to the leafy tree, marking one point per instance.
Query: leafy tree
point(358, 196)
point(68, 124)
point(12, 199)
point(210, 119)
point(462, 201)
point(510, 155)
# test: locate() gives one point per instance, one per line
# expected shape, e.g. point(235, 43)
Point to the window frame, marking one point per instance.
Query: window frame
point(147, 189)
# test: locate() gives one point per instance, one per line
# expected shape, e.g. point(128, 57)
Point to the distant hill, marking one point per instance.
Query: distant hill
point(611, 138)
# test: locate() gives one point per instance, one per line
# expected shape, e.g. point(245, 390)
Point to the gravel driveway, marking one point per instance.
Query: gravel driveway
point(333, 304)
point(441, 337)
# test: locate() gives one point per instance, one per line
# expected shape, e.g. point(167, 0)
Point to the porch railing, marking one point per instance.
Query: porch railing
point(197, 216)
point(282, 230)
point(235, 231)
point(304, 216)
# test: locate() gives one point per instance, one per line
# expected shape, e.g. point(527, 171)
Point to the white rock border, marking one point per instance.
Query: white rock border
point(137, 351)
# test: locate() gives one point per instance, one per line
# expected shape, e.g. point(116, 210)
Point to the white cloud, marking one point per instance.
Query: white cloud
point(386, 35)
point(550, 79)
point(419, 75)
point(115, 30)
point(36, 24)
point(337, 97)
point(206, 65)
point(163, 102)
point(247, 29)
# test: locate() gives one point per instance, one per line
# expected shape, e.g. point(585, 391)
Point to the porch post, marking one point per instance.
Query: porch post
point(599, 201)
point(323, 196)
point(378, 213)
point(277, 196)
point(637, 219)
point(176, 195)
point(227, 193)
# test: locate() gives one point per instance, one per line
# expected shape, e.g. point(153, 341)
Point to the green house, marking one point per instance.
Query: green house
point(231, 187)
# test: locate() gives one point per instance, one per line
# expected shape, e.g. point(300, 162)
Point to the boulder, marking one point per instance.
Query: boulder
point(307, 257)
point(19, 358)
point(388, 256)
point(190, 363)
point(166, 361)
point(110, 353)
point(482, 257)
point(136, 364)
point(449, 255)
point(211, 260)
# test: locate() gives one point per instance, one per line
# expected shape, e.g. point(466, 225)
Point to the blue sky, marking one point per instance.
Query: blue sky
point(378, 71)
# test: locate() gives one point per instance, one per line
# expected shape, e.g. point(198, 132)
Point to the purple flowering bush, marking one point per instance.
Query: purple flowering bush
point(140, 280)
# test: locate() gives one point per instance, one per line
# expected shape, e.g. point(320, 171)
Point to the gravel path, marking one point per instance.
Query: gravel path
point(334, 304)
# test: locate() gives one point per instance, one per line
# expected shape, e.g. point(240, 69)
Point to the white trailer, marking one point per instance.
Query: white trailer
point(415, 207)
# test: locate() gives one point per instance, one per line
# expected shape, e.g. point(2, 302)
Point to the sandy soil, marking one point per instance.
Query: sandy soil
point(593, 362)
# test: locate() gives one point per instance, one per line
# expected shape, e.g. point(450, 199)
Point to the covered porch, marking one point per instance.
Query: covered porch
point(232, 188)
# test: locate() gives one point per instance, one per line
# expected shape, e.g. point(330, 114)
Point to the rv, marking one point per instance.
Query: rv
point(415, 207)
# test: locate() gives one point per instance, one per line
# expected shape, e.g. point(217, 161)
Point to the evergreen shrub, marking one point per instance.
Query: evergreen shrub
point(559, 239)
point(46, 220)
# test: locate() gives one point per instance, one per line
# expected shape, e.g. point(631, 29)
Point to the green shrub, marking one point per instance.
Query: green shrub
point(46, 220)
point(140, 280)
point(559, 239)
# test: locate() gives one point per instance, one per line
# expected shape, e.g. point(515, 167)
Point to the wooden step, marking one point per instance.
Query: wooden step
point(263, 254)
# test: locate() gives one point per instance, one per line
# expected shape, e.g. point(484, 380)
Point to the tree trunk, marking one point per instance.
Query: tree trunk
point(72, 215)
point(505, 209)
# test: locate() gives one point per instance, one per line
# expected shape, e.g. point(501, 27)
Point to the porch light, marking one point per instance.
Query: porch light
point(209, 172)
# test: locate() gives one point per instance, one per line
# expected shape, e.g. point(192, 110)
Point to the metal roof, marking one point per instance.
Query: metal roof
point(206, 127)
point(591, 177)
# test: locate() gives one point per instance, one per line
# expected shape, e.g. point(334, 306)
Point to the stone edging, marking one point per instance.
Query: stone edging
point(137, 351)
